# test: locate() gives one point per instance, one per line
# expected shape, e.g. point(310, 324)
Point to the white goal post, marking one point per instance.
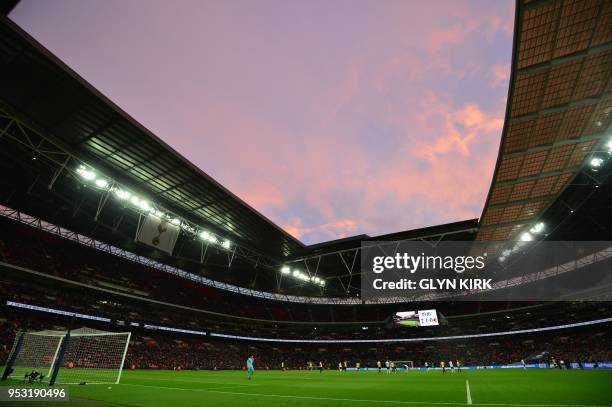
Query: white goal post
point(402, 364)
point(68, 357)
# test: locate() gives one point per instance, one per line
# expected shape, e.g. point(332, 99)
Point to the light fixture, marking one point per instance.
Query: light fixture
point(86, 174)
point(101, 183)
point(176, 221)
point(526, 237)
point(596, 162)
point(226, 244)
point(144, 205)
point(121, 194)
point(285, 270)
point(537, 228)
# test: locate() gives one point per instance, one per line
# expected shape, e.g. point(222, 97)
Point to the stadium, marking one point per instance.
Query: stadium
point(131, 277)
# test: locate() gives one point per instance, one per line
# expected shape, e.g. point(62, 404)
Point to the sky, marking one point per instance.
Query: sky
point(331, 118)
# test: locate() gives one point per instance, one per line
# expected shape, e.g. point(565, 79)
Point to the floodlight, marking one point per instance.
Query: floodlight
point(135, 200)
point(121, 194)
point(188, 228)
point(526, 237)
point(206, 235)
point(87, 174)
point(596, 162)
point(322, 282)
point(176, 221)
point(144, 205)
point(226, 244)
point(609, 145)
point(296, 273)
point(537, 228)
point(102, 183)
point(285, 270)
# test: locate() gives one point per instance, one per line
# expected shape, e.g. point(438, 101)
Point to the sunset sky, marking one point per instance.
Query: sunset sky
point(332, 118)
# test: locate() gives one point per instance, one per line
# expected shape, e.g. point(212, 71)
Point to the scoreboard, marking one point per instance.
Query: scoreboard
point(427, 317)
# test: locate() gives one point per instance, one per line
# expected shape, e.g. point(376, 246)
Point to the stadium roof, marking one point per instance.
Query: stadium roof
point(559, 108)
point(40, 87)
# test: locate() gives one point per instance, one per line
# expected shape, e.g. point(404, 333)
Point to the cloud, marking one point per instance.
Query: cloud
point(337, 229)
point(362, 119)
point(499, 75)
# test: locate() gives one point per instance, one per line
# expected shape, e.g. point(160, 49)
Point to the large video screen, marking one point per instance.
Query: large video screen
point(416, 318)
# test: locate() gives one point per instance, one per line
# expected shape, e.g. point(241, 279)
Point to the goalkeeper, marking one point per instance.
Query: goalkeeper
point(250, 368)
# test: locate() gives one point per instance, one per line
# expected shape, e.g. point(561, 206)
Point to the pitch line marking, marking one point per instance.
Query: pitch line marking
point(467, 389)
point(191, 380)
point(183, 388)
point(404, 401)
point(429, 403)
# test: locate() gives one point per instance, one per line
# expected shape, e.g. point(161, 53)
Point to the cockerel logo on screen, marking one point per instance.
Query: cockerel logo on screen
point(161, 228)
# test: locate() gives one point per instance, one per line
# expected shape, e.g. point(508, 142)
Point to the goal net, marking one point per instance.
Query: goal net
point(37, 352)
point(84, 356)
point(404, 364)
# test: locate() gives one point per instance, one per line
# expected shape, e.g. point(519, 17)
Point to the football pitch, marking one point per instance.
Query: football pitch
point(507, 387)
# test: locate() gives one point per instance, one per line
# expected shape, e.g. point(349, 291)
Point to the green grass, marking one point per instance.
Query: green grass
point(538, 387)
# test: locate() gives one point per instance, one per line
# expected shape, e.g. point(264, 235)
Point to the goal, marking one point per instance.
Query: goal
point(68, 357)
point(404, 364)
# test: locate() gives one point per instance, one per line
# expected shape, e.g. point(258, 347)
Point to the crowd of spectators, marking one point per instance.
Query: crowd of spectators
point(125, 311)
point(159, 350)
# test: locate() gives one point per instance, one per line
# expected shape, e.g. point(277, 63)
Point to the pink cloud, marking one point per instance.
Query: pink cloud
point(499, 75)
point(263, 196)
point(362, 119)
point(337, 229)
